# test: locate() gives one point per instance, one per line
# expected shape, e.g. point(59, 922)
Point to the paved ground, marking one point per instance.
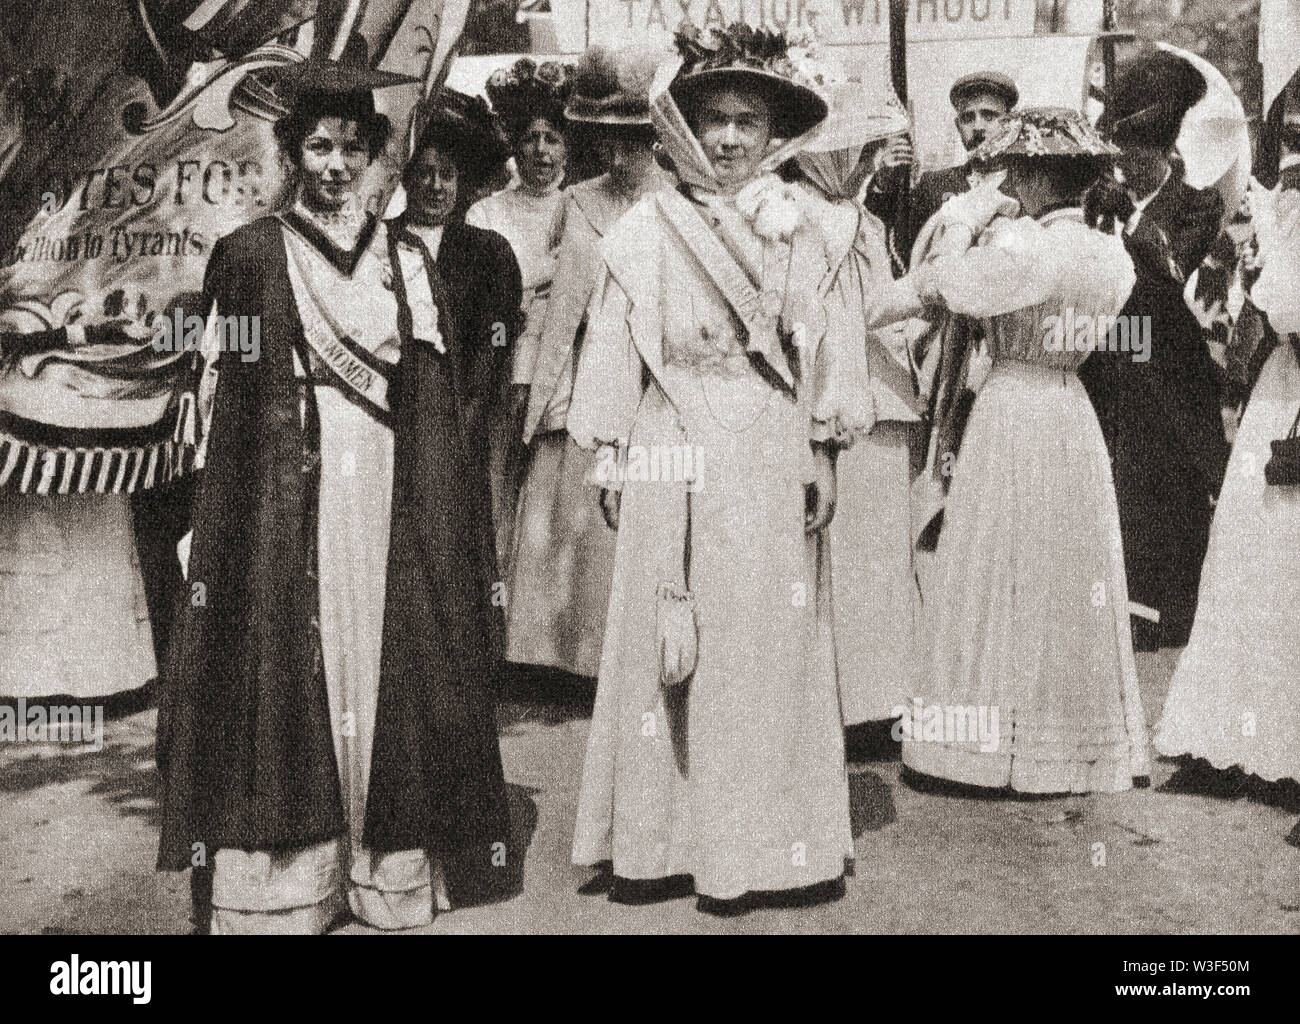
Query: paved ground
point(78, 834)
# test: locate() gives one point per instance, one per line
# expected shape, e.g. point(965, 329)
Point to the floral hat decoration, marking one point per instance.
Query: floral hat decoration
point(528, 90)
point(780, 68)
point(1041, 132)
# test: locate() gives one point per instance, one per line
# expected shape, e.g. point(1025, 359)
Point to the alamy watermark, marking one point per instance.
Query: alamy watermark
point(919, 722)
point(1103, 332)
point(81, 724)
point(669, 463)
point(181, 333)
point(77, 977)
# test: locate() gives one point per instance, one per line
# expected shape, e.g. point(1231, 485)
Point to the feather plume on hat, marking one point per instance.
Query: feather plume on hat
point(612, 87)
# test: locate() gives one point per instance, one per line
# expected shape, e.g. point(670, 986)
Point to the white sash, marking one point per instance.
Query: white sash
point(352, 365)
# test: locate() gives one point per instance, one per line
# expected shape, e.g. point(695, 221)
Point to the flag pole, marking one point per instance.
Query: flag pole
point(1107, 47)
point(898, 76)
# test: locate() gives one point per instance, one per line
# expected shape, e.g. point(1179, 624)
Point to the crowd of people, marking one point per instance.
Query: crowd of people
point(793, 458)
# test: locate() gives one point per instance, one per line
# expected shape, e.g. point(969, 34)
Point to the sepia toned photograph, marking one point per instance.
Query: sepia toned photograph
point(674, 467)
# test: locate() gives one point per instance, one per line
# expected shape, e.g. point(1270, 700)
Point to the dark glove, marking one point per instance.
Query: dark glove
point(1107, 203)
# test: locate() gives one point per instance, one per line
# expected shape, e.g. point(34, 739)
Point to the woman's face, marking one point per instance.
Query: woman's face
point(626, 159)
point(540, 154)
point(332, 160)
point(735, 128)
point(432, 187)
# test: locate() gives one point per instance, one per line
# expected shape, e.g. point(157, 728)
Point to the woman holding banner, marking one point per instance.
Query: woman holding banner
point(327, 736)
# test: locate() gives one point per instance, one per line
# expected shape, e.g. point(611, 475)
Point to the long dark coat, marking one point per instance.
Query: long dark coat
point(1161, 418)
point(245, 749)
point(484, 293)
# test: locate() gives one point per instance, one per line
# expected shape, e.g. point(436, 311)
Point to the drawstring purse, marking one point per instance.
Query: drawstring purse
point(1283, 468)
point(677, 630)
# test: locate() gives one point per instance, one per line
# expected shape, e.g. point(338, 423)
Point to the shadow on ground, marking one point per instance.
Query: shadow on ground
point(122, 774)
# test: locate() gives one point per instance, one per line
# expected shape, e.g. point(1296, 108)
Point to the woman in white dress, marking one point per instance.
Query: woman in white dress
point(723, 771)
point(563, 553)
point(1026, 677)
point(529, 100)
point(1232, 698)
point(873, 581)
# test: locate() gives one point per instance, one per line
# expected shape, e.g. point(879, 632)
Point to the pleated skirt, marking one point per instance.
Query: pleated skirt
point(1025, 638)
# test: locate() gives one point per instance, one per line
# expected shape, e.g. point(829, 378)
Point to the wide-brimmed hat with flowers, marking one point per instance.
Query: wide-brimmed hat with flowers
point(527, 90)
point(760, 60)
point(1043, 132)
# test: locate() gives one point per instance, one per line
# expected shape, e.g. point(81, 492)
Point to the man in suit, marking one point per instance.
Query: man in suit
point(979, 99)
point(1161, 410)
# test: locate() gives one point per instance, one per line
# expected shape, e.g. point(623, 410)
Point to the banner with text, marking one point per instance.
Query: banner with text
point(839, 22)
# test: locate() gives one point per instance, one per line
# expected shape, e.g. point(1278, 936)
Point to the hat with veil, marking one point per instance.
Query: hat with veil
point(768, 62)
point(860, 114)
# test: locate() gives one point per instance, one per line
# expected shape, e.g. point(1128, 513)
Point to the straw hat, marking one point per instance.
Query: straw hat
point(752, 58)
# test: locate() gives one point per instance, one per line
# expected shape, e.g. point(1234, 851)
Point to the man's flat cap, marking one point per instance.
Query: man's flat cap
point(985, 81)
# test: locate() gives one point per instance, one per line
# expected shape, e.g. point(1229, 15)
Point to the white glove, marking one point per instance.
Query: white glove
point(977, 208)
point(183, 553)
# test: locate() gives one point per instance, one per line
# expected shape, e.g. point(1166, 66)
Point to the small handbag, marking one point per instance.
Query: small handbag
point(1283, 468)
point(676, 626)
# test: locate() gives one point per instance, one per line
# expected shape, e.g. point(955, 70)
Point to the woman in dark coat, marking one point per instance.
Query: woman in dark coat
point(459, 153)
point(327, 728)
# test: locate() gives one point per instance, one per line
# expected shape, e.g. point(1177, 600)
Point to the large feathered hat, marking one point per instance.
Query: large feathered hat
point(1152, 93)
point(612, 87)
point(465, 129)
point(527, 90)
point(759, 60)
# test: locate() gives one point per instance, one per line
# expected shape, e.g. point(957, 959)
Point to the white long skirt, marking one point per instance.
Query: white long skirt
point(737, 776)
point(302, 891)
point(1028, 633)
point(563, 562)
point(872, 581)
point(73, 614)
point(1233, 696)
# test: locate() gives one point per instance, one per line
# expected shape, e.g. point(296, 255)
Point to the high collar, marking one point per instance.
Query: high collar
point(543, 193)
point(1142, 201)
